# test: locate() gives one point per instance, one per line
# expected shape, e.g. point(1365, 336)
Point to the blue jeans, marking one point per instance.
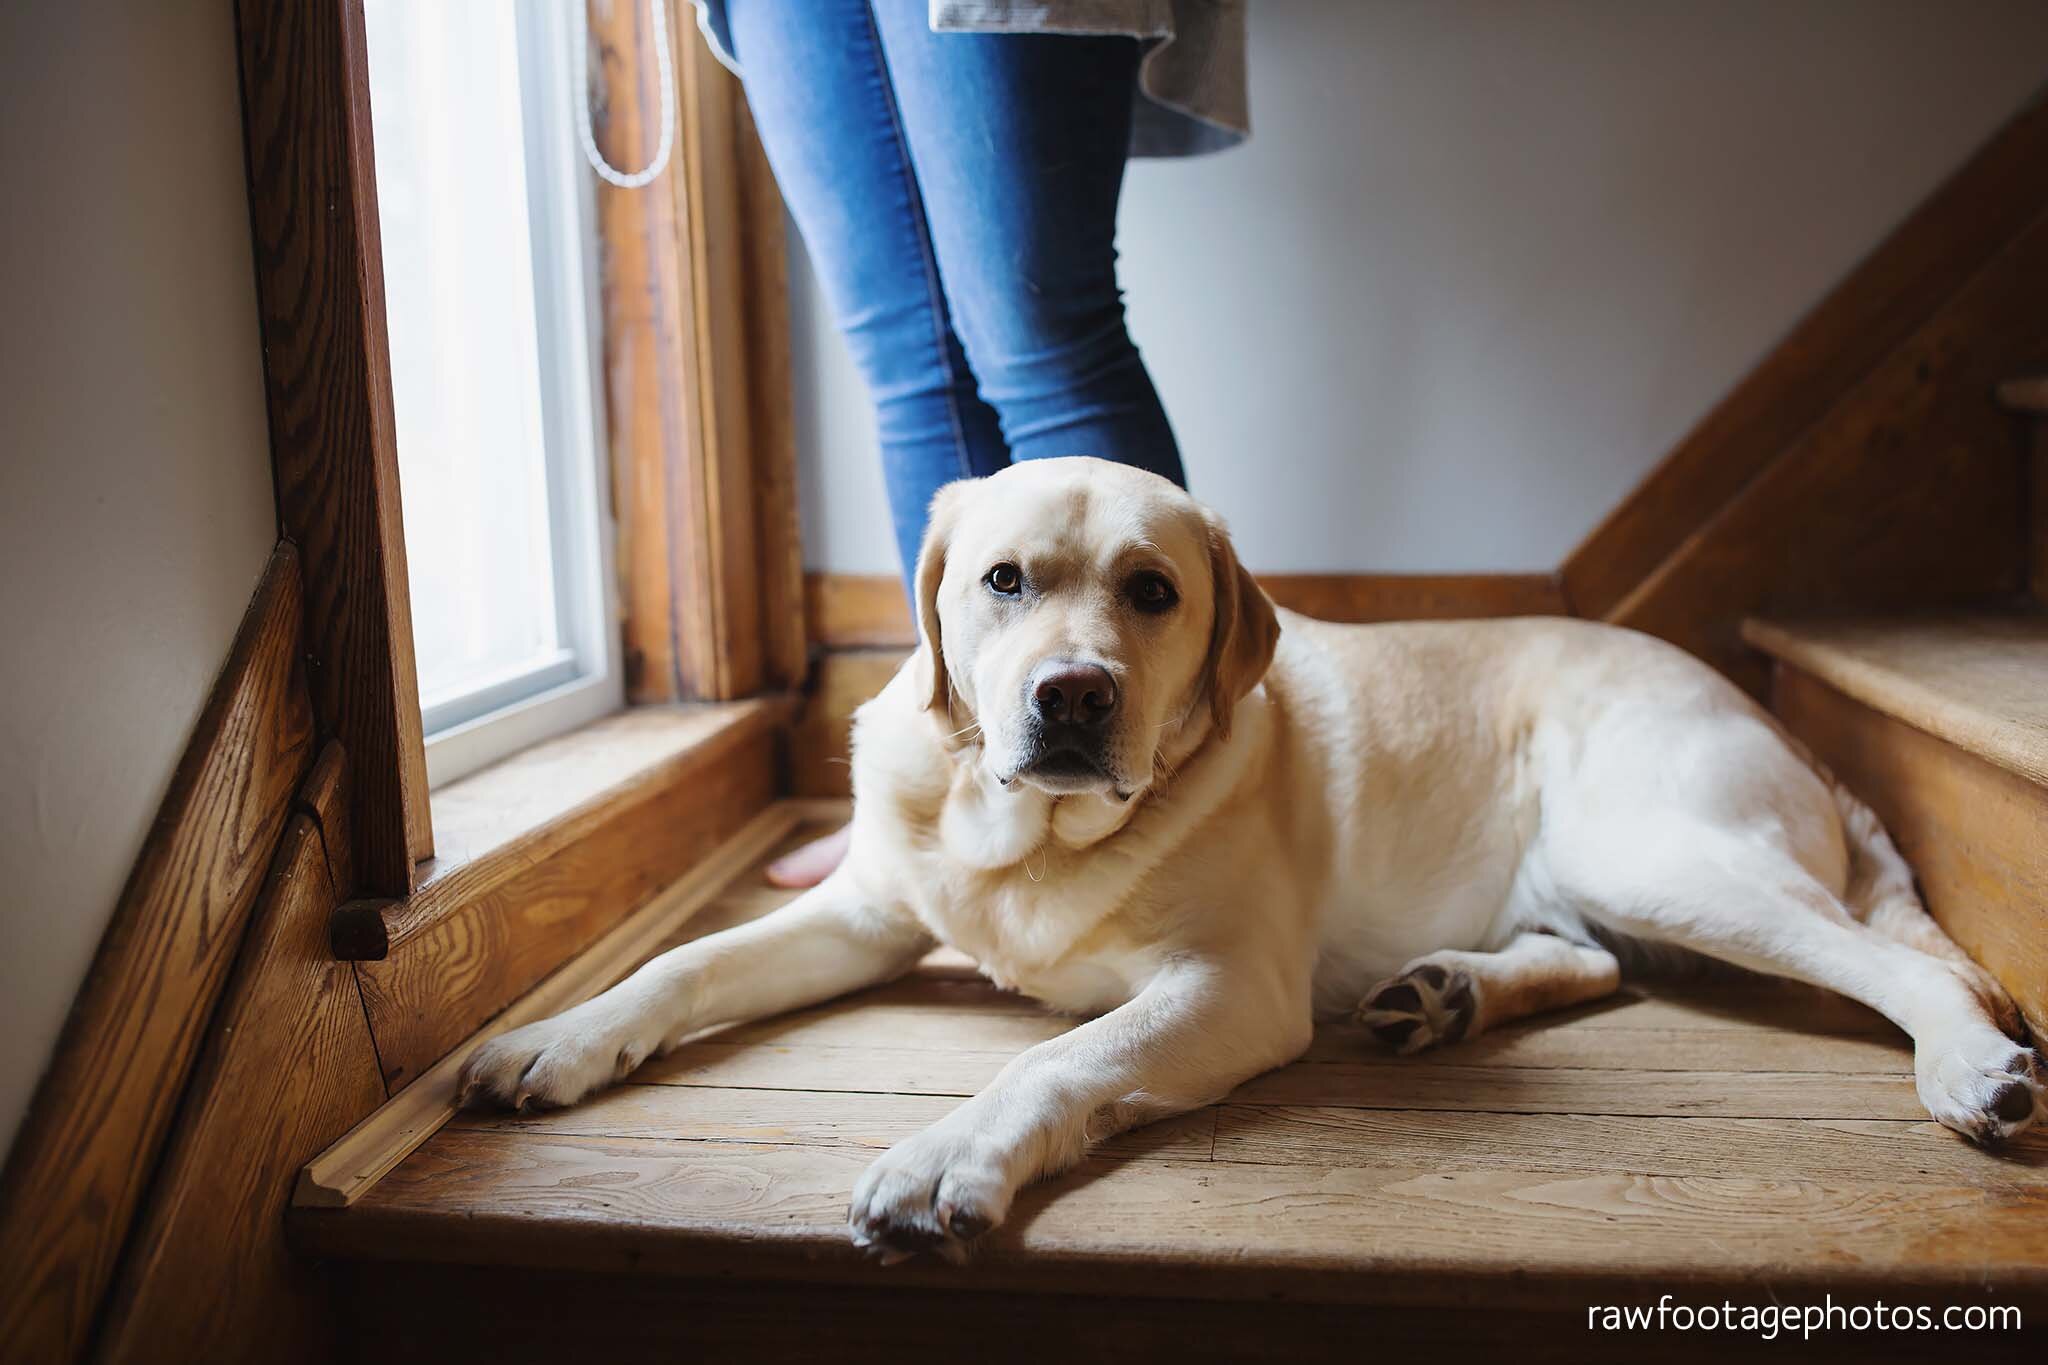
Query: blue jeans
point(957, 194)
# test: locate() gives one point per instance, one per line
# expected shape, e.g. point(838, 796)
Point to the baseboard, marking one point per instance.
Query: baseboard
point(80, 1165)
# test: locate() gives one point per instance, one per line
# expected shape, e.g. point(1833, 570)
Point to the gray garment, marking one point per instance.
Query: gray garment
point(1191, 80)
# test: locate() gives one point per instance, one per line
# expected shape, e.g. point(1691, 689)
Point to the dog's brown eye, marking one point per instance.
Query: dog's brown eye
point(1006, 579)
point(1151, 592)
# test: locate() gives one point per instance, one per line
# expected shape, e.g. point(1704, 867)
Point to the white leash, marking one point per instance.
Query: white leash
point(657, 13)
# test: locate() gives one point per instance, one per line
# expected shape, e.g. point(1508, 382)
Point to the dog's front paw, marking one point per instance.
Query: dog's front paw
point(1425, 1005)
point(1986, 1087)
point(935, 1192)
point(554, 1062)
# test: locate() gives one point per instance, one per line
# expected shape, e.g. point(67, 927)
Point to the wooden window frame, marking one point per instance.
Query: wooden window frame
point(698, 403)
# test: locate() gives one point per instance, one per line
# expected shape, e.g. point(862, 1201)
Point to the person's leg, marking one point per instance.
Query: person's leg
point(1019, 142)
point(819, 88)
point(818, 85)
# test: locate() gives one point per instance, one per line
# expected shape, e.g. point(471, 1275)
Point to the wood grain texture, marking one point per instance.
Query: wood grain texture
point(325, 800)
point(327, 375)
point(1374, 1082)
point(710, 210)
point(286, 1068)
point(1833, 352)
point(1234, 1230)
point(1907, 494)
point(696, 356)
point(857, 611)
point(1582, 1144)
point(1364, 598)
point(348, 1169)
point(868, 611)
point(1722, 1133)
point(771, 390)
point(1976, 834)
point(1978, 680)
point(860, 1121)
point(651, 375)
point(539, 803)
point(448, 974)
point(83, 1154)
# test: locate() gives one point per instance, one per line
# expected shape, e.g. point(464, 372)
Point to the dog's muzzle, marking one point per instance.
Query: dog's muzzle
point(1067, 743)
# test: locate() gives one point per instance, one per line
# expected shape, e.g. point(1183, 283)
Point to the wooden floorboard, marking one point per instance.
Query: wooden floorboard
point(1233, 1229)
point(1719, 1132)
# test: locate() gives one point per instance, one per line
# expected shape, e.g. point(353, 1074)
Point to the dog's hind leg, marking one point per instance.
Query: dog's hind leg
point(1448, 995)
point(1881, 894)
point(1739, 897)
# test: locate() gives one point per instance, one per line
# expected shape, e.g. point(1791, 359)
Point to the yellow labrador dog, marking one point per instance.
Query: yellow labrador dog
point(1125, 784)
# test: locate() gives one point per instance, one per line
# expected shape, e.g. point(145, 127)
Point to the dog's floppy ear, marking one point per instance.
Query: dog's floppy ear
point(1241, 642)
point(931, 570)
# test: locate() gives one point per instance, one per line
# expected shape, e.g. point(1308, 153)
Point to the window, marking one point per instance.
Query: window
point(487, 216)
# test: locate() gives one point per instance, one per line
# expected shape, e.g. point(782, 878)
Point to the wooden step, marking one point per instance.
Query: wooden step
point(1738, 1139)
point(1940, 722)
point(1978, 680)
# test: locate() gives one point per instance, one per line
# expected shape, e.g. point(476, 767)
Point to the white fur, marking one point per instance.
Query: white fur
point(1436, 812)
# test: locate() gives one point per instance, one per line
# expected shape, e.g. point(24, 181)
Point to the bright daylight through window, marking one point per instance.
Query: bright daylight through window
point(486, 210)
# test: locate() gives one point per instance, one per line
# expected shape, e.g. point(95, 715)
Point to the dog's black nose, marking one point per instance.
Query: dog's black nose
point(1068, 693)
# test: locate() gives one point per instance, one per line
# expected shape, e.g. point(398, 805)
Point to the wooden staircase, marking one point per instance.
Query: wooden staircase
point(1724, 1141)
point(1939, 719)
point(1734, 1140)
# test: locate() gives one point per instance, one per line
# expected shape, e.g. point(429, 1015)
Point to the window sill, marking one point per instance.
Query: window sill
point(494, 826)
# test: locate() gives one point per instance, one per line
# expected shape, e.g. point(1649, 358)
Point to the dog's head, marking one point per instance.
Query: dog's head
point(1076, 616)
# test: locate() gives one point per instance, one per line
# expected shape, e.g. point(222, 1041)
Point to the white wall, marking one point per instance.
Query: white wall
point(135, 502)
point(1484, 261)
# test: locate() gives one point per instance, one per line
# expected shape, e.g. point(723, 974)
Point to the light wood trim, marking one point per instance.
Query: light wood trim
point(868, 611)
point(1971, 830)
point(1893, 293)
point(287, 1067)
point(447, 976)
point(352, 1166)
point(650, 361)
point(772, 389)
point(1978, 680)
point(1365, 598)
point(696, 347)
point(857, 611)
point(327, 372)
point(84, 1153)
point(708, 207)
